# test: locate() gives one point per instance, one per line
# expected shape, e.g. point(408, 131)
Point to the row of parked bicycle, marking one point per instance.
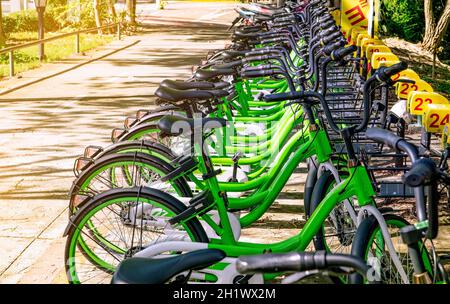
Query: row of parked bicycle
point(167, 201)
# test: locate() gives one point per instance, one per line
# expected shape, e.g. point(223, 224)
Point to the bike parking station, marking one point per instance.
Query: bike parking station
point(304, 150)
point(169, 199)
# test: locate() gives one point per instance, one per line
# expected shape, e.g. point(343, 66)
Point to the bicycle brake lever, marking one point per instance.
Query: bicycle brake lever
point(403, 80)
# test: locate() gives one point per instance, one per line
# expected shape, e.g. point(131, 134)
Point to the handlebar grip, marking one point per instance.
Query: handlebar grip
point(257, 58)
point(299, 261)
point(284, 19)
point(282, 96)
point(325, 18)
point(263, 51)
point(260, 67)
point(274, 262)
point(328, 31)
point(273, 40)
point(260, 73)
point(331, 37)
point(385, 73)
point(421, 173)
point(331, 47)
point(341, 53)
point(228, 65)
point(392, 140)
point(327, 24)
point(383, 136)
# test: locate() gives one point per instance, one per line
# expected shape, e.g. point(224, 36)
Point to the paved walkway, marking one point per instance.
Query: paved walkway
point(45, 126)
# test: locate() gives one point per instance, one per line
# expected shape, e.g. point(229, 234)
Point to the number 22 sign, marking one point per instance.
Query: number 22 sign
point(418, 101)
point(404, 88)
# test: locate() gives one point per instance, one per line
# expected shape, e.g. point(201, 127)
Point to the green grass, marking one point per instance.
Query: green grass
point(26, 59)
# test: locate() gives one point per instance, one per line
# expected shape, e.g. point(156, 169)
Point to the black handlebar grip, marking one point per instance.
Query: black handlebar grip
point(385, 73)
point(331, 47)
point(228, 65)
point(257, 58)
point(392, 140)
point(383, 136)
point(259, 73)
point(283, 19)
point(331, 37)
point(421, 173)
point(260, 67)
point(325, 18)
point(263, 51)
point(327, 24)
point(273, 40)
point(329, 31)
point(282, 96)
point(274, 262)
point(341, 53)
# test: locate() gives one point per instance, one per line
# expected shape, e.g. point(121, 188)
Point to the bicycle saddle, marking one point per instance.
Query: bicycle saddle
point(174, 95)
point(184, 85)
point(173, 125)
point(245, 35)
point(159, 271)
point(203, 74)
point(232, 54)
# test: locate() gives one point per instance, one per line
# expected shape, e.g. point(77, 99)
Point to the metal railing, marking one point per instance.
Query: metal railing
point(11, 49)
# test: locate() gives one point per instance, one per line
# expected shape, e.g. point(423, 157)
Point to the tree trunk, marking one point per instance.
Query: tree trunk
point(112, 10)
point(435, 33)
point(97, 15)
point(429, 21)
point(2, 33)
point(131, 11)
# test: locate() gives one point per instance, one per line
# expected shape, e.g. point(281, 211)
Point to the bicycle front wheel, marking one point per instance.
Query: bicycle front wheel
point(118, 223)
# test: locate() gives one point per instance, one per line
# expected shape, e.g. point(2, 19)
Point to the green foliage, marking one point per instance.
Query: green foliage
point(59, 14)
point(19, 57)
point(406, 19)
point(81, 14)
point(27, 20)
point(403, 18)
point(27, 58)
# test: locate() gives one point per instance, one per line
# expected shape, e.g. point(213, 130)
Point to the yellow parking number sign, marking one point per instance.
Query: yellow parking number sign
point(418, 101)
point(436, 117)
point(408, 73)
point(403, 88)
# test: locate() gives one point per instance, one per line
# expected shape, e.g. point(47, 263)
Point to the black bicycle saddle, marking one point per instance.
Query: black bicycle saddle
point(174, 125)
point(174, 95)
point(159, 271)
point(202, 85)
point(208, 74)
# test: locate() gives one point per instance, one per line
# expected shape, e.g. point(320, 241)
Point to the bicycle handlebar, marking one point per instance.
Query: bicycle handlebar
point(259, 73)
point(299, 261)
point(424, 172)
point(328, 49)
point(339, 54)
point(421, 173)
point(392, 140)
point(385, 73)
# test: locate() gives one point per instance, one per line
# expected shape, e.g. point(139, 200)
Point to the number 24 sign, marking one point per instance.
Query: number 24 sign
point(436, 117)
